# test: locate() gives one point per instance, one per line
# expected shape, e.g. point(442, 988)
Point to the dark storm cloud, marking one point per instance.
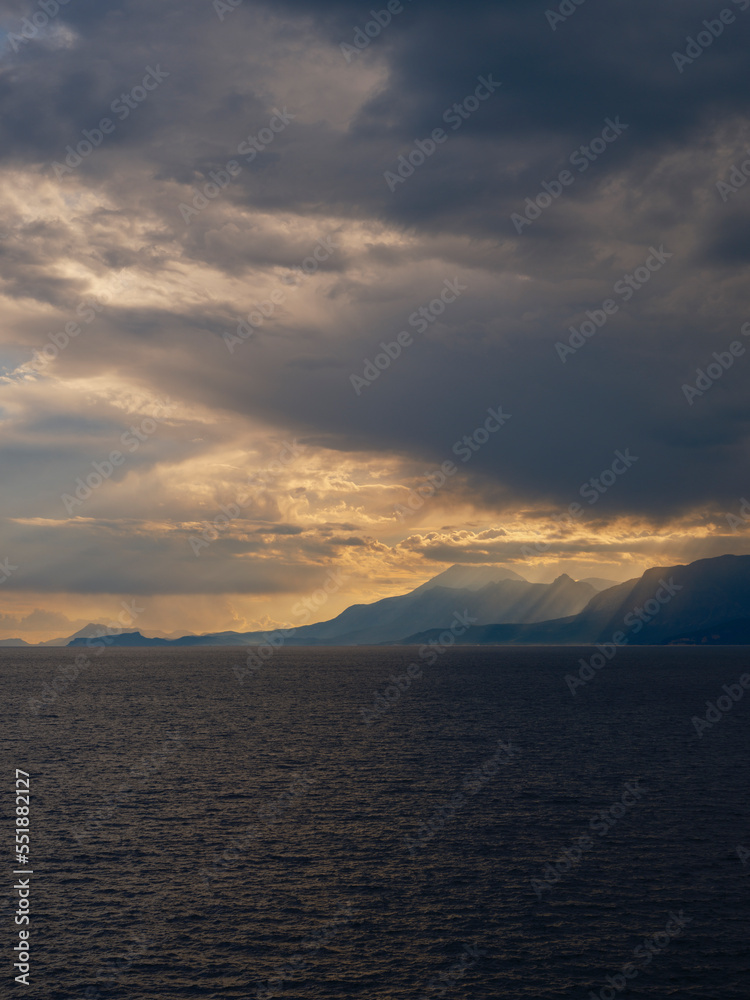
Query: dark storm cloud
point(653, 186)
point(729, 243)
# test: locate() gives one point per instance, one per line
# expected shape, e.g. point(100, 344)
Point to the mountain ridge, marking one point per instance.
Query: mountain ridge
point(653, 609)
point(486, 594)
point(705, 598)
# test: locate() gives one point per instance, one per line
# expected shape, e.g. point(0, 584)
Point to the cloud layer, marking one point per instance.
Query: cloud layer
point(220, 220)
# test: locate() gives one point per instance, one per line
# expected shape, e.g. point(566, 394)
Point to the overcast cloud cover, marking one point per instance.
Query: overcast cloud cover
point(321, 460)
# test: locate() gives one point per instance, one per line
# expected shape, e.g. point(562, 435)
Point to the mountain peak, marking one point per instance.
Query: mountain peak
point(463, 576)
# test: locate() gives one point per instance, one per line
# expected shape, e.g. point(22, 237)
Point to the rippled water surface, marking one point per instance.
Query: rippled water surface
point(197, 837)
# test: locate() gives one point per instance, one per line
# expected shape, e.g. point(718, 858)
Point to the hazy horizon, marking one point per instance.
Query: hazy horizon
point(36, 634)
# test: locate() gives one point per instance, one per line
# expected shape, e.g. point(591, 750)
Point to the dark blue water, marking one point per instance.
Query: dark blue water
point(194, 837)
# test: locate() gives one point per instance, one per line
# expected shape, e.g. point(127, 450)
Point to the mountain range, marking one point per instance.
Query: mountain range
point(487, 593)
point(707, 601)
point(89, 631)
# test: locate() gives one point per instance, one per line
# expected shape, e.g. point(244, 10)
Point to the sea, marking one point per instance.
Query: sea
point(367, 823)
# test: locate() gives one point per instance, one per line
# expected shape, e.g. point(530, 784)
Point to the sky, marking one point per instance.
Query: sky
point(321, 298)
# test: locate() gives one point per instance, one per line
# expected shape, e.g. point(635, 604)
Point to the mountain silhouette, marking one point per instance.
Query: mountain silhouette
point(487, 593)
point(661, 606)
point(707, 601)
